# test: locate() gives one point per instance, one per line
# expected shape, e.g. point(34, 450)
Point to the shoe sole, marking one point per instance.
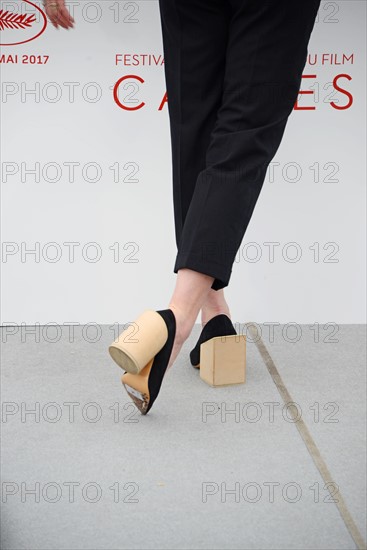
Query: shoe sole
point(137, 387)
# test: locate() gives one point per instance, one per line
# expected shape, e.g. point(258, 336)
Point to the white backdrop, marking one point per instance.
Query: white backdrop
point(78, 168)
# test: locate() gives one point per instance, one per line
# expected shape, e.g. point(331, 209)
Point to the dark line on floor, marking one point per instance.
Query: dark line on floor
point(307, 438)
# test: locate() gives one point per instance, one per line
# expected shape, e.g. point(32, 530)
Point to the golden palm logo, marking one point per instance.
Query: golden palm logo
point(9, 20)
point(25, 23)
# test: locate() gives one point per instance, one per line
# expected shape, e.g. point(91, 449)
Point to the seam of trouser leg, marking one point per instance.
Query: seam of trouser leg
point(180, 183)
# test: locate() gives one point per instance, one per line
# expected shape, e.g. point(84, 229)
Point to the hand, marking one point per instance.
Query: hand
point(58, 13)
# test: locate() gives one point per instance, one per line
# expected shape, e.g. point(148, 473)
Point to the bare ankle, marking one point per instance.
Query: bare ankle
point(185, 320)
point(210, 311)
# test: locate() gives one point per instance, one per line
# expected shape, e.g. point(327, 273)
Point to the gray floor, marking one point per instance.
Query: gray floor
point(191, 474)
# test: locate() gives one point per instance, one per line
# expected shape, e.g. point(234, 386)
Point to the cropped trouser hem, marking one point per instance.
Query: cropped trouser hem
point(220, 273)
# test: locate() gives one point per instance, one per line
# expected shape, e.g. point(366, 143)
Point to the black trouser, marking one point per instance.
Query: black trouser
point(233, 71)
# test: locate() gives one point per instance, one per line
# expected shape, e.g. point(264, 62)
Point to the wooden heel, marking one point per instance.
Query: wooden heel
point(139, 342)
point(223, 360)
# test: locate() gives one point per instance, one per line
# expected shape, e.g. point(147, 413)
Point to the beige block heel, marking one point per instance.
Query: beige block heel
point(223, 360)
point(139, 342)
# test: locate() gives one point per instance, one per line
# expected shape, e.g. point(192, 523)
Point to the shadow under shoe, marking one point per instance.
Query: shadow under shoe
point(220, 325)
point(146, 360)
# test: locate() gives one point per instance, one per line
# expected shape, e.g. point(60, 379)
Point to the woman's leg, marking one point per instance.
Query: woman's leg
point(195, 35)
point(214, 304)
point(265, 56)
point(187, 299)
point(233, 72)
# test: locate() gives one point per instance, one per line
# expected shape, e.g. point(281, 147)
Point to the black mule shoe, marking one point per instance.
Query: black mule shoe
point(144, 355)
point(220, 325)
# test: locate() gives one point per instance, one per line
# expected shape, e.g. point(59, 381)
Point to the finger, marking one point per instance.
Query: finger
point(51, 13)
point(57, 17)
point(65, 17)
point(68, 14)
